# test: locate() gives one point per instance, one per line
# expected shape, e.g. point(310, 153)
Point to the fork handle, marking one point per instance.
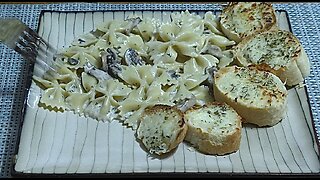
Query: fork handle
point(10, 30)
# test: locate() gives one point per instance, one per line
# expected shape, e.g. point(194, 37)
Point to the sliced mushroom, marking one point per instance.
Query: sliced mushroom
point(213, 50)
point(173, 74)
point(111, 64)
point(59, 60)
point(73, 61)
point(187, 103)
point(133, 22)
point(210, 80)
point(97, 33)
point(131, 57)
point(211, 71)
point(97, 73)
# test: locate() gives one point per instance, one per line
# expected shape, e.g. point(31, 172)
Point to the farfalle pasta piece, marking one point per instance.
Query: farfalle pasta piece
point(134, 42)
point(202, 94)
point(74, 86)
point(113, 88)
point(139, 75)
point(99, 108)
point(96, 49)
point(114, 38)
point(162, 52)
point(188, 21)
point(157, 95)
point(84, 40)
point(182, 92)
point(72, 50)
point(147, 28)
point(206, 60)
point(133, 101)
point(186, 49)
point(117, 26)
point(220, 41)
point(183, 41)
point(132, 107)
point(53, 95)
point(65, 75)
point(113, 92)
point(104, 26)
point(88, 81)
point(44, 83)
point(61, 95)
point(78, 60)
point(193, 80)
point(192, 66)
point(211, 22)
point(168, 31)
point(167, 77)
point(79, 101)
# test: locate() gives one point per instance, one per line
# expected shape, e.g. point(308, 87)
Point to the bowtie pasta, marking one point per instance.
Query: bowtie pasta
point(125, 66)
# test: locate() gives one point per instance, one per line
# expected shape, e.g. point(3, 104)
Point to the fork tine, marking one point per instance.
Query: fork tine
point(38, 46)
point(34, 35)
point(20, 51)
point(25, 43)
point(27, 50)
point(36, 38)
point(24, 53)
point(31, 40)
point(28, 44)
point(38, 60)
point(48, 48)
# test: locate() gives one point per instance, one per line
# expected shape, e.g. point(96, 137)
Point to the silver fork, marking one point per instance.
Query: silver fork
point(18, 36)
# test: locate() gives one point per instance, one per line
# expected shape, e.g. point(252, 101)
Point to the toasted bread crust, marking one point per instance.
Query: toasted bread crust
point(211, 142)
point(270, 104)
point(241, 19)
point(171, 143)
point(292, 71)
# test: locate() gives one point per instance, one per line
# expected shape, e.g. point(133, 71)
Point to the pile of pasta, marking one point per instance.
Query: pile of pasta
point(171, 64)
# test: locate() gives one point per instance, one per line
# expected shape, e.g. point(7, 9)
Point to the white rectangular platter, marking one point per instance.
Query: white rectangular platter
point(65, 143)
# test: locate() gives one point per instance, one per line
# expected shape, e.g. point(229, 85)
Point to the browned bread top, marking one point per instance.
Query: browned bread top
point(241, 19)
point(161, 129)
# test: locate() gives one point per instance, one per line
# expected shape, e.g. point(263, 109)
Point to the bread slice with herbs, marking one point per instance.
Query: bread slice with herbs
point(241, 19)
point(259, 97)
point(161, 129)
point(214, 128)
point(277, 51)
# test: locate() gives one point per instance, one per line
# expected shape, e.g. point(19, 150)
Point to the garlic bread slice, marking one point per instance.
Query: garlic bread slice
point(277, 51)
point(259, 97)
point(241, 19)
point(161, 129)
point(214, 128)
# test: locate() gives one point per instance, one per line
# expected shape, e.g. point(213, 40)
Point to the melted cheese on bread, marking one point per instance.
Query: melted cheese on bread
point(241, 19)
point(277, 51)
point(258, 96)
point(214, 128)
